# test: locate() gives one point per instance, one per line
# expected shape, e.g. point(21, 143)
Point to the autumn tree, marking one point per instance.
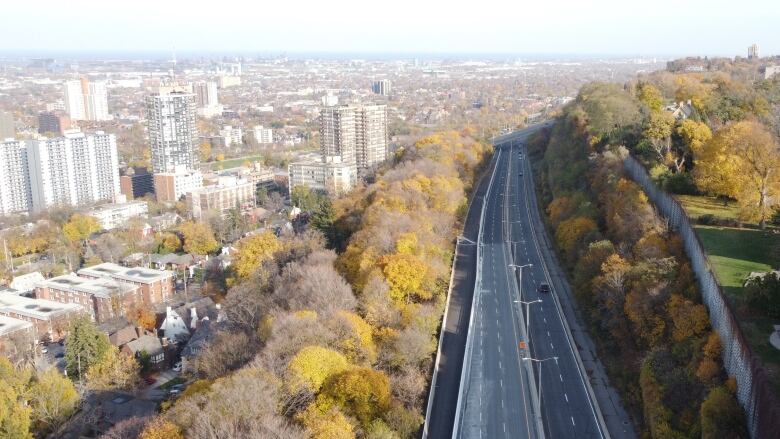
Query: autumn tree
point(14, 414)
point(53, 399)
point(658, 130)
point(80, 227)
point(169, 243)
point(361, 392)
point(205, 151)
point(113, 370)
point(252, 251)
point(742, 161)
point(312, 365)
point(198, 238)
point(572, 234)
point(649, 95)
point(722, 417)
point(161, 428)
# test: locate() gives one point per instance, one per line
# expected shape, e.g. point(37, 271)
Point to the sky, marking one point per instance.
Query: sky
point(542, 27)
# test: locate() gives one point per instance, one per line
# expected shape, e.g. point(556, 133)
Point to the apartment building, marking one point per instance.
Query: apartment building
point(136, 183)
point(171, 186)
point(74, 169)
point(370, 137)
point(382, 87)
point(232, 135)
point(86, 100)
point(206, 98)
point(156, 286)
point(228, 193)
point(330, 175)
point(103, 298)
point(50, 319)
point(263, 136)
point(172, 130)
point(15, 193)
point(16, 337)
point(337, 133)
point(114, 215)
point(53, 122)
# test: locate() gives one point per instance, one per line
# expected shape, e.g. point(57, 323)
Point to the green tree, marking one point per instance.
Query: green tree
point(84, 347)
point(307, 199)
point(722, 417)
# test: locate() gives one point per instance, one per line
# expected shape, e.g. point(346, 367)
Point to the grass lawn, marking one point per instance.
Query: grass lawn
point(696, 206)
point(232, 163)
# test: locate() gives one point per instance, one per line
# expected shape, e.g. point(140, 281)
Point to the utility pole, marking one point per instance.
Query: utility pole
point(539, 362)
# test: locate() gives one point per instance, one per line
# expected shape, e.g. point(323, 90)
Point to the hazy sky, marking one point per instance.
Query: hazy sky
point(617, 27)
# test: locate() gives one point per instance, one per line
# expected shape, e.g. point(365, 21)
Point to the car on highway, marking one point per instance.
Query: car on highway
point(543, 288)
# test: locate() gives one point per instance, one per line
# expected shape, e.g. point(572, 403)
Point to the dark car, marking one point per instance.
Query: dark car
point(543, 288)
point(59, 355)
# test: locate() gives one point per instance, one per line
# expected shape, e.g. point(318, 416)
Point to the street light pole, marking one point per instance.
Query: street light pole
point(528, 311)
point(520, 267)
point(539, 362)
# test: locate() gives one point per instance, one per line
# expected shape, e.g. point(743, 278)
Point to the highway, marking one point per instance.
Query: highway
point(518, 382)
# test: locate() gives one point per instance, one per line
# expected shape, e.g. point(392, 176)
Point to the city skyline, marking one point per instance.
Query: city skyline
point(559, 27)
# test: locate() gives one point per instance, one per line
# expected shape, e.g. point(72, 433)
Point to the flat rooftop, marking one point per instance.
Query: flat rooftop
point(9, 325)
point(131, 274)
point(104, 287)
point(35, 308)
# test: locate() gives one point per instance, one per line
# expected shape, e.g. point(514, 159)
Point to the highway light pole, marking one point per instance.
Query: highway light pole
point(528, 311)
point(520, 284)
point(539, 362)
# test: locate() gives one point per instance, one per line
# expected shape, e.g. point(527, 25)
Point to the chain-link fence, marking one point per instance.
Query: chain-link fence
point(754, 390)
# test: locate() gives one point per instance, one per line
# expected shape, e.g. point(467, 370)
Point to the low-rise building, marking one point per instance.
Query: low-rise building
point(25, 284)
point(171, 186)
point(263, 136)
point(232, 135)
point(229, 193)
point(114, 215)
point(16, 337)
point(330, 175)
point(136, 183)
point(104, 298)
point(50, 319)
point(156, 285)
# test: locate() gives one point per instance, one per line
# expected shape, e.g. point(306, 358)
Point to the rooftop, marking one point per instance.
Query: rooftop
point(131, 274)
point(102, 286)
point(9, 325)
point(35, 308)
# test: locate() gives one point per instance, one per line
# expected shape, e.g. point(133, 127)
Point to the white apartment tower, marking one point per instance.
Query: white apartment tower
point(85, 100)
point(358, 134)
point(172, 130)
point(74, 169)
point(14, 178)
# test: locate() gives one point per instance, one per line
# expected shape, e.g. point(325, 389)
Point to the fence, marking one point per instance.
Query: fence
point(754, 390)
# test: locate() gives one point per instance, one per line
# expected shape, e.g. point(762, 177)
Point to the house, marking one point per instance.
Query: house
point(680, 110)
point(120, 332)
point(199, 339)
point(148, 345)
point(174, 327)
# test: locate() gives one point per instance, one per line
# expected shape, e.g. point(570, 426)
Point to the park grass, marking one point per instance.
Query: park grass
point(232, 163)
point(698, 205)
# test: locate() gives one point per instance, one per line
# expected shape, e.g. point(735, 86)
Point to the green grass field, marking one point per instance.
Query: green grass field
point(697, 206)
point(232, 163)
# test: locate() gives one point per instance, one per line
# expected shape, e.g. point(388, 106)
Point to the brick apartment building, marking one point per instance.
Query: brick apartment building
point(156, 286)
point(50, 319)
point(103, 298)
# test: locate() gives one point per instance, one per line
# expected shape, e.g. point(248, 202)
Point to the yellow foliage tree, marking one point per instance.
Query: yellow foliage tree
point(571, 233)
point(53, 399)
point(361, 392)
point(80, 227)
point(252, 251)
point(113, 371)
point(358, 343)
point(331, 424)
point(405, 275)
point(161, 428)
point(198, 238)
point(312, 365)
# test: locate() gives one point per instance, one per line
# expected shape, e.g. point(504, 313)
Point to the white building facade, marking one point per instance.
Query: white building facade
point(263, 136)
point(172, 130)
point(15, 193)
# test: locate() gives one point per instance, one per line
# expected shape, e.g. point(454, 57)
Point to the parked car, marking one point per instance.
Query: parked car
point(543, 288)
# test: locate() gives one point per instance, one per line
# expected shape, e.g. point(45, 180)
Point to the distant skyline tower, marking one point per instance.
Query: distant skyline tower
point(85, 100)
point(753, 51)
point(172, 130)
point(356, 133)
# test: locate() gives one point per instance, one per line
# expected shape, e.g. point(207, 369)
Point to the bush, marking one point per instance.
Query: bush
point(764, 294)
point(680, 183)
point(707, 219)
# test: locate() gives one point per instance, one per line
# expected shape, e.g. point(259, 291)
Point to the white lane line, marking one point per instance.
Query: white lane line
point(561, 377)
point(572, 420)
point(566, 396)
point(551, 345)
point(545, 319)
point(548, 333)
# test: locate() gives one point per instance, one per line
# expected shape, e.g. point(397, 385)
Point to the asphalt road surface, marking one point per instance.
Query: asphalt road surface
point(503, 388)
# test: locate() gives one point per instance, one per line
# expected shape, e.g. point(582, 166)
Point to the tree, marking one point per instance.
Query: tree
point(198, 238)
point(572, 233)
point(361, 392)
point(161, 428)
point(127, 428)
point(252, 251)
point(169, 243)
point(205, 151)
point(312, 365)
point(405, 274)
point(80, 227)
point(659, 131)
point(722, 417)
point(109, 248)
point(307, 199)
point(694, 134)
point(84, 347)
point(14, 415)
point(742, 161)
point(53, 399)
point(113, 371)
point(650, 96)
point(331, 424)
